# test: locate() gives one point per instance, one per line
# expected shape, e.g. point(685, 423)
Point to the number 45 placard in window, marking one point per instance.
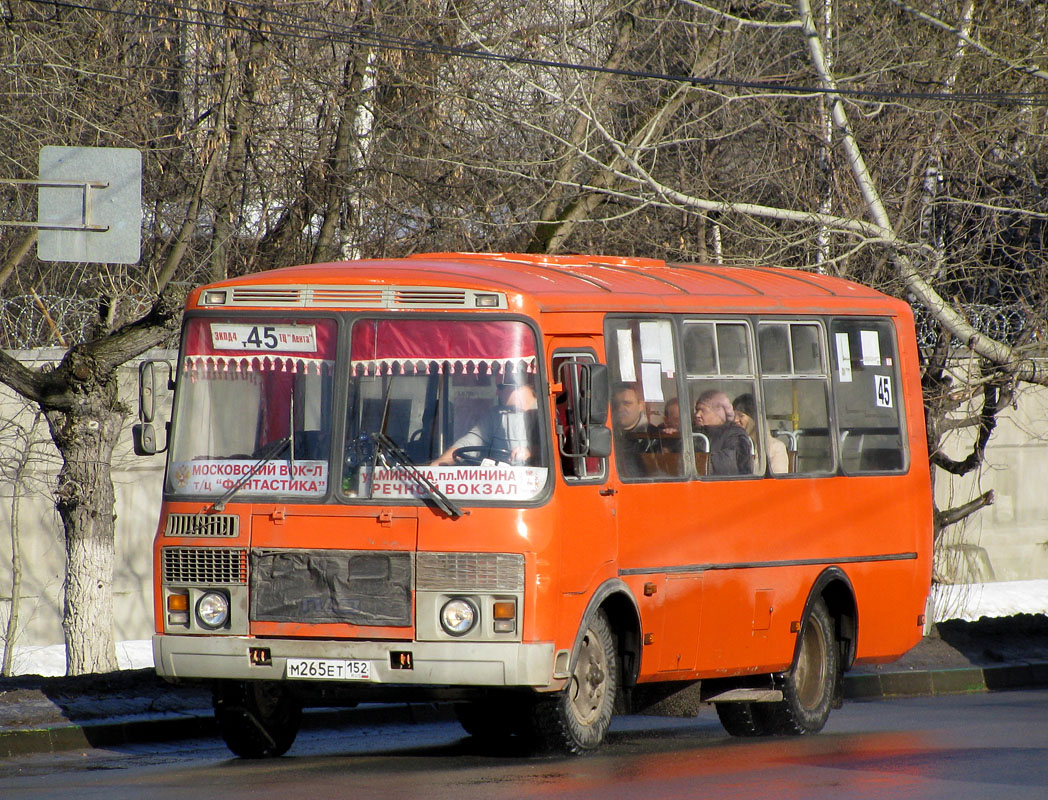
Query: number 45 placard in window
point(267, 338)
point(883, 388)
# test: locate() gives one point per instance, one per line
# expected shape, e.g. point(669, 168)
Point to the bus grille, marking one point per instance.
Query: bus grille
point(460, 572)
point(331, 586)
point(364, 297)
point(204, 565)
point(226, 525)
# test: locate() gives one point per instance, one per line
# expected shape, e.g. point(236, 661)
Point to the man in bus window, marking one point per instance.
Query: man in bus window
point(634, 435)
point(507, 433)
point(730, 450)
point(669, 428)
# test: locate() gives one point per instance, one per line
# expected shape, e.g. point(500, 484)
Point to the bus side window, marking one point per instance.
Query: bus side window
point(576, 469)
point(719, 363)
point(795, 384)
point(869, 412)
point(645, 410)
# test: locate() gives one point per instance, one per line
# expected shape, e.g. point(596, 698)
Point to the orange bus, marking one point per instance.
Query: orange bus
point(545, 488)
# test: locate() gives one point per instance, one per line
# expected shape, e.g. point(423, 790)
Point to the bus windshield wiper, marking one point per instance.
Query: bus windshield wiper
point(273, 450)
point(393, 452)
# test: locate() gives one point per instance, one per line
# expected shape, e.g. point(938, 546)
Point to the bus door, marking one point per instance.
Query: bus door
point(586, 503)
point(660, 555)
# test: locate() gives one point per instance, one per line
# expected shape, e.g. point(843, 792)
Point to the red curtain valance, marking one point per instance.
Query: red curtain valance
point(416, 345)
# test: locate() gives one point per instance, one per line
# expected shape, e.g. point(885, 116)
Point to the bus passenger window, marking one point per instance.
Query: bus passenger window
point(645, 409)
point(795, 384)
point(869, 413)
point(718, 357)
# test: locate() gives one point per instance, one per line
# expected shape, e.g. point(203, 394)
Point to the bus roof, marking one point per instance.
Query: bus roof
point(581, 282)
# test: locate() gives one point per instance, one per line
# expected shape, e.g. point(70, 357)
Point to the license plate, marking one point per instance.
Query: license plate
point(328, 669)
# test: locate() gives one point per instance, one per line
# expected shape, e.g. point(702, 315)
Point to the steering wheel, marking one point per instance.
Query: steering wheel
point(472, 456)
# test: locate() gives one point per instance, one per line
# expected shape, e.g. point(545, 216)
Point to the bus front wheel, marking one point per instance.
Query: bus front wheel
point(808, 688)
point(257, 719)
point(576, 719)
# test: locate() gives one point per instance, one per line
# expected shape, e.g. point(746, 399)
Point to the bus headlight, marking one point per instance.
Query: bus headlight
point(458, 616)
point(212, 610)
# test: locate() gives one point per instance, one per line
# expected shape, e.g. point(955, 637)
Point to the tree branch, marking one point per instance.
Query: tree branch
point(968, 40)
point(952, 516)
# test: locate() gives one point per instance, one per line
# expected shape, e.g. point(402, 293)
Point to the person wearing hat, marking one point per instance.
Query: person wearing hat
point(508, 432)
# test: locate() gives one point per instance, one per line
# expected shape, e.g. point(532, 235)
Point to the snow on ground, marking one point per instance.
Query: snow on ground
point(971, 601)
point(968, 601)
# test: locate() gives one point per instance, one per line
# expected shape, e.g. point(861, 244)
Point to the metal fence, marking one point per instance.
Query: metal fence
point(31, 321)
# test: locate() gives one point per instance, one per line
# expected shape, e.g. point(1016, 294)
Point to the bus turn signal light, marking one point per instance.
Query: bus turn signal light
point(178, 608)
point(504, 614)
point(506, 609)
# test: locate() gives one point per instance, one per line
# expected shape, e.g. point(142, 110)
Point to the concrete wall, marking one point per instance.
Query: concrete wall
point(1008, 541)
point(138, 484)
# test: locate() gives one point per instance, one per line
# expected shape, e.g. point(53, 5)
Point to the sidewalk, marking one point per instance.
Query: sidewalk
point(39, 715)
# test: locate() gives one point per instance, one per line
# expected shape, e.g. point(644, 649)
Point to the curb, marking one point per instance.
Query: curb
point(961, 680)
point(171, 727)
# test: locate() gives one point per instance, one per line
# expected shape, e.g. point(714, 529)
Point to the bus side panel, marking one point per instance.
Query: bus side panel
point(760, 545)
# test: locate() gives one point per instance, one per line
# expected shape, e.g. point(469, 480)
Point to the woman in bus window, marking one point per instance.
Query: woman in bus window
point(746, 418)
point(730, 450)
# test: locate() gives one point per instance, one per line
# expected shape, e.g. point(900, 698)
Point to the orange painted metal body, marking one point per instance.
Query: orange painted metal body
point(720, 571)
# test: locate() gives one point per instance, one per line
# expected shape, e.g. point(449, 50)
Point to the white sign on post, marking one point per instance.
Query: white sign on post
point(89, 204)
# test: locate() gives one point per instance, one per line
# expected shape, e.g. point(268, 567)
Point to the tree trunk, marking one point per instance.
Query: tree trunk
point(85, 437)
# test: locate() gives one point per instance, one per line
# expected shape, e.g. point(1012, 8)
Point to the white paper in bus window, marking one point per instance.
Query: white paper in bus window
point(651, 381)
point(650, 341)
point(844, 373)
point(624, 342)
point(871, 348)
point(666, 348)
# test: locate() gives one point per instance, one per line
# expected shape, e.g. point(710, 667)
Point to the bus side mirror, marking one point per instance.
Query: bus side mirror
point(599, 441)
point(147, 391)
point(596, 395)
point(144, 439)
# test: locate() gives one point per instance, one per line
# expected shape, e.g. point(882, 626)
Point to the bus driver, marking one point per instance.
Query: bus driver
point(507, 432)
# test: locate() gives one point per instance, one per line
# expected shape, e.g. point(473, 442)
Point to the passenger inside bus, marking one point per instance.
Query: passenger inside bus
point(746, 418)
point(507, 433)
point(634, 435)
point(669, 428)
point(731, 452)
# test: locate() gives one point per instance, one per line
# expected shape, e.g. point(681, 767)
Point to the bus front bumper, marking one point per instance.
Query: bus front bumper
point(461, 663)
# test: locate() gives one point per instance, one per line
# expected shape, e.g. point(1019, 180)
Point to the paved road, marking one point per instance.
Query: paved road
point(981, 746)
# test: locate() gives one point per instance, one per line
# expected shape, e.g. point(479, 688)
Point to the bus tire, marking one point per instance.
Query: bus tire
point(808, 688)
point(740, 719)
point(576, 719)
point(257, 719)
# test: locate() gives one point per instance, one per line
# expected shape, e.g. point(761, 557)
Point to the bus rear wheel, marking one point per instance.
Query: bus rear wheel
point(808, 688)
point(257, 719)
point(576, 719)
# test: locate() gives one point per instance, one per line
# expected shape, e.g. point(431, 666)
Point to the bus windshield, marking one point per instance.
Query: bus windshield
point(457, 398)
point(254, 406)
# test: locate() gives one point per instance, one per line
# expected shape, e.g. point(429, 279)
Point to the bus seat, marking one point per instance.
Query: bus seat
point(661, 463)
point(702, 453)
point(789, 438)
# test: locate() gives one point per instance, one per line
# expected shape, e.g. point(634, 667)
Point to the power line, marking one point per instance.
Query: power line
point(305, 29)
